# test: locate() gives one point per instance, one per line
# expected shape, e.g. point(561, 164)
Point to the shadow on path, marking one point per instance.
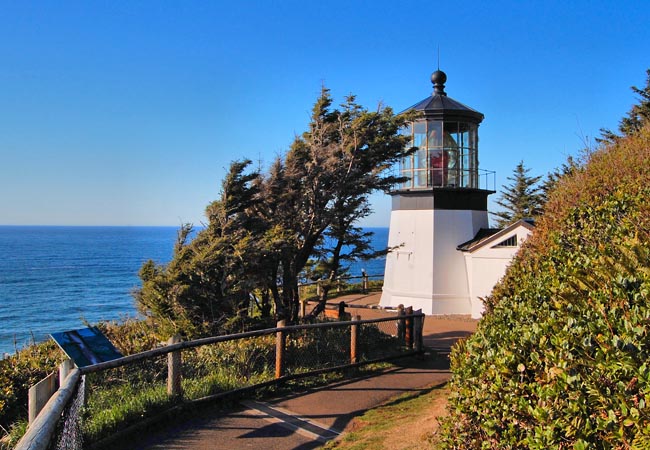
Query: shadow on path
point(445, 340)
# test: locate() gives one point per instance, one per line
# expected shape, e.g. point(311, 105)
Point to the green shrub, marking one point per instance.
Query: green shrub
point(562, 359)
point(13, 435)
point(21, 371)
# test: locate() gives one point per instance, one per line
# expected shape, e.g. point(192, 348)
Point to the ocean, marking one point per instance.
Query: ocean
point(59, 278)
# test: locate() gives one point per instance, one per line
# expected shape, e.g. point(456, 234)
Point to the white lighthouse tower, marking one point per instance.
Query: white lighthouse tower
point(441, 206)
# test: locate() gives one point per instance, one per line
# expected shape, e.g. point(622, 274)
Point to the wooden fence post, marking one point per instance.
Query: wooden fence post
point(39, 394)
point(303, 307)
point(364, 282)
point(64, 369)
point(279, 350)
point(354, 339)
point(409, 328)
point(401, 325)
point(174, 369)
point(418, 326)
point(342, 306)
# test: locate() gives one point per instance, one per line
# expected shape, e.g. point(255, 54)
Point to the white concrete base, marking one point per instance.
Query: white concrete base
point(427, 271)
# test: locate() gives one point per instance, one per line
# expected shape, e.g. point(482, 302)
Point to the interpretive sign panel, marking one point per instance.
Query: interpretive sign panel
point(86, 347)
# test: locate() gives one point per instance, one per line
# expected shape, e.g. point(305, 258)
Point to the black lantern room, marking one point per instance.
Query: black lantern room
point(446, 159)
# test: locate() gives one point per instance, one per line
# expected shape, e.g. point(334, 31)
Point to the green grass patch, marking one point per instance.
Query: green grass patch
point(397, 423)
point(105, 415)
point(13, 435)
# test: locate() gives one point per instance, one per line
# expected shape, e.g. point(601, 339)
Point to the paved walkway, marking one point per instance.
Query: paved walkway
point(307, 419)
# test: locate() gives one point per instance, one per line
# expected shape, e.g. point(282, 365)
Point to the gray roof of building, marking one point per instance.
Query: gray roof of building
point(485, 235)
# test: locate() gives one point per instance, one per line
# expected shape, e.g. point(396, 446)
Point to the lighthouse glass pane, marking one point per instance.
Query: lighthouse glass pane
point(408, 132)
point(452, 168)
point(470, 156)
point(420, 166)
point(420, 159)
point(465, 136)
point(420, 178)
point(451, 135)
point(406, 170)
point(407, 164)
point(465, 174)
point(438, 167)
point(434, 134)
point(451, 154)
point(420, 134)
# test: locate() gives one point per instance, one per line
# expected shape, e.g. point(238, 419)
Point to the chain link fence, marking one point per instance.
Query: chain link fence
point(69, 433)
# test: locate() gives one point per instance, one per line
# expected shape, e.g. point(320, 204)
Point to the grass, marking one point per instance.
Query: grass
point(109, 415)
point(405, 422)
point(13, 435)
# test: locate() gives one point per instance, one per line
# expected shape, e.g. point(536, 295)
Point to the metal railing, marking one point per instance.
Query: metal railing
point(426, 178)
point(342, 285)
point(178, 373)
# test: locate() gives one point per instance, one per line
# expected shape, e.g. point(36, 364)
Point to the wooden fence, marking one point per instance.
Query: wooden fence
point(407, 328)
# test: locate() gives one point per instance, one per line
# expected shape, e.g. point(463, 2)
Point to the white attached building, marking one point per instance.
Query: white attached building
point(487, 256)
point(442, 206)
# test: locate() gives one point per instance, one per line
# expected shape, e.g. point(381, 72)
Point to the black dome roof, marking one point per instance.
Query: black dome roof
point(440, 106)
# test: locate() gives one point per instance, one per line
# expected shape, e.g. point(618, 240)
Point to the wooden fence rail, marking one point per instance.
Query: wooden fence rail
point(40, 431)
point(225, 338)
point(44, 424)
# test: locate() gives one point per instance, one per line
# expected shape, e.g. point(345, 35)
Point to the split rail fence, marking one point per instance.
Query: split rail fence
point(180, 373)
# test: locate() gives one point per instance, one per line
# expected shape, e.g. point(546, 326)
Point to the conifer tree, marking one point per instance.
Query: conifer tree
point(521, 199)
point(329, 171)
point(209, 279)
point(553, 178)
point(265, 228)
point(636, 118)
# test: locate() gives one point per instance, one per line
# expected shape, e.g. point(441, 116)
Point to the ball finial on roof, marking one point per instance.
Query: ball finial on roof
point(439, 78)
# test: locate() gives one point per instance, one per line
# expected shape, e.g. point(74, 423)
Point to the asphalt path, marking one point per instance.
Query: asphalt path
point(300, 420)
point(309, 418)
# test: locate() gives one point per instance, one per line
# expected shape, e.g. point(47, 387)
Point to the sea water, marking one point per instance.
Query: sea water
point(59, 278)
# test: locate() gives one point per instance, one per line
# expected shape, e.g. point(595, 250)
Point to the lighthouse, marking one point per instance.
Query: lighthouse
point(441, 206)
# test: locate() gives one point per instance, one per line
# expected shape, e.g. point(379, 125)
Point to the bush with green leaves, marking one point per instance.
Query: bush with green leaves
point(33, 363)
point(562, 358)
point(21, 371)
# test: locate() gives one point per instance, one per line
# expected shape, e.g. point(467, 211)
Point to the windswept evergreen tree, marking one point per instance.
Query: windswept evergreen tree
point(522, 198)
point(328, 173)
point(208, 281)
point(553, 178)
point(637, 116)
point(265, 228)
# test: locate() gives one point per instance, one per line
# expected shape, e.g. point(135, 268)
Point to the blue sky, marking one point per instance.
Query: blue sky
point(129, 112)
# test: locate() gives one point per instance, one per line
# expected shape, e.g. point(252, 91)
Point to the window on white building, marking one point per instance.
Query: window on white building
point(510, 242)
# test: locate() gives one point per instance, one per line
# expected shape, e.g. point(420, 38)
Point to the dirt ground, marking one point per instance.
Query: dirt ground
point(398, 424)
point(426, 424)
